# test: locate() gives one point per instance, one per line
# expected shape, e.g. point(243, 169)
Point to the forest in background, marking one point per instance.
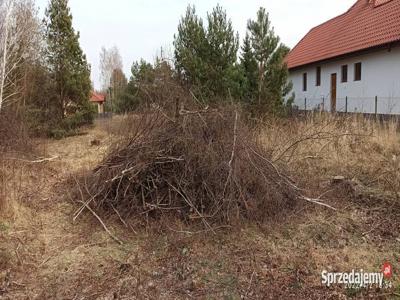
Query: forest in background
point(45, 76)
point(209, 60)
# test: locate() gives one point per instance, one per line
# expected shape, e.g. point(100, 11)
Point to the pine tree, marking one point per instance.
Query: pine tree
point(66, 61)
point(142, 73)
point(269, 54)
point(191, 49)
point(249, 66)
point(206, 58)
point(278, 85)
point(223, 45)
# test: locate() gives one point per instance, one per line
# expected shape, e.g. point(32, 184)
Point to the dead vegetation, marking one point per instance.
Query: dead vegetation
point(364, 152)
point(203, 165)
point(45, 255)
point(352, 161)
point(208, 166)
point(14, 139)
point(14, 136)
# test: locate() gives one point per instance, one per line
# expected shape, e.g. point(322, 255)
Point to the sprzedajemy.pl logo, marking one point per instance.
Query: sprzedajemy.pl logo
point(360, 279)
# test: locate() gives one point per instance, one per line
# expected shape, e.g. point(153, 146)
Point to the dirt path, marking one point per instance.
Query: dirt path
point(49, 248)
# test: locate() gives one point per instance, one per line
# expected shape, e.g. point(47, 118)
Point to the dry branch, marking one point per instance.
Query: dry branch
point(86, 205)
point(38, 161)
point(206, 166)
point(317, 202)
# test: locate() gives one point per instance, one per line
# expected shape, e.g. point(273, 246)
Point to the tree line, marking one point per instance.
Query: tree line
point(209, 60)
point(44, 74)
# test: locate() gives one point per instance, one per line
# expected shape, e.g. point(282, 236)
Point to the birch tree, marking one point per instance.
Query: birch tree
point(110, 64)
point(19, 38)
point(110, 60)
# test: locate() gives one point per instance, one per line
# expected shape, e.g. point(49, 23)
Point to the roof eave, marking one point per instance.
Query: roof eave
point(388, 46)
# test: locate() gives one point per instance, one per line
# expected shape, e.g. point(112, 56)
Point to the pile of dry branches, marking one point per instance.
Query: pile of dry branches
point(203, 165)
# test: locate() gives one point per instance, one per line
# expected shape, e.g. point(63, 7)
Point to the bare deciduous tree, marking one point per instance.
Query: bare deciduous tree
point(110, 60)
point(110, 65)
point(19, 40)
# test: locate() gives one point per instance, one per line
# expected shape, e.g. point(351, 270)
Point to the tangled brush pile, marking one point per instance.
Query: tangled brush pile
point(198, 165)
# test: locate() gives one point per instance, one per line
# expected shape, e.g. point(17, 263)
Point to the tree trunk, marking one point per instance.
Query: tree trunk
point(5, 50)
point(260, 81)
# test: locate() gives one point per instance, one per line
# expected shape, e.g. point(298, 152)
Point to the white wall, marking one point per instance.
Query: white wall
point(380, 77)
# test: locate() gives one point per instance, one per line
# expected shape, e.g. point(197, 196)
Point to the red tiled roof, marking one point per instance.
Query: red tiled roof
point(367, 24)
point(96, 97)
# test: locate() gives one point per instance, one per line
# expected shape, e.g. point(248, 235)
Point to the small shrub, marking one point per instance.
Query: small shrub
point(58, 134)
point(71, 124)
point(42, 122)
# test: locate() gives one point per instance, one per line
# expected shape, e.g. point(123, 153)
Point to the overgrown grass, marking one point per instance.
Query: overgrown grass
point(323, 146)
point(172, 260)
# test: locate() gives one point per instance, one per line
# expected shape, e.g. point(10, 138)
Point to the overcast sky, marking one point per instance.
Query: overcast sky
point(140, 27)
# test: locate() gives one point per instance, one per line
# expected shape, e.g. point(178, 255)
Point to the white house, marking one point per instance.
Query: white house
point(352, 62)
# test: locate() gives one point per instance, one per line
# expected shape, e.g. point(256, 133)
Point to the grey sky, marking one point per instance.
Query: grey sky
point(139, 27)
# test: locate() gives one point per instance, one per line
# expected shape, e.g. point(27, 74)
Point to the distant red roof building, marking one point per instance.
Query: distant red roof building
point(97, 97)
point(367, 24)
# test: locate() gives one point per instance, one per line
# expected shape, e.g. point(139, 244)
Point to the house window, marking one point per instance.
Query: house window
point(318, 79)
point(344, 73)
point(357, 72)
point(305, 82)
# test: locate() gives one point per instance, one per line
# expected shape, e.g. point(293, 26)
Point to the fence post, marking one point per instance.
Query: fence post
point(376, 106)
point(346, 105)
point(305, 104)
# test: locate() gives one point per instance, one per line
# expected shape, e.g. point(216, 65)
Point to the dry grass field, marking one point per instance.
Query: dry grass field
point(350, 164)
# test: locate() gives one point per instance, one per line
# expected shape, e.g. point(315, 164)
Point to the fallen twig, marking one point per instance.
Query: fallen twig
point(34, 161)
point(97, 217)
point(102, 223)
point(318, 202)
